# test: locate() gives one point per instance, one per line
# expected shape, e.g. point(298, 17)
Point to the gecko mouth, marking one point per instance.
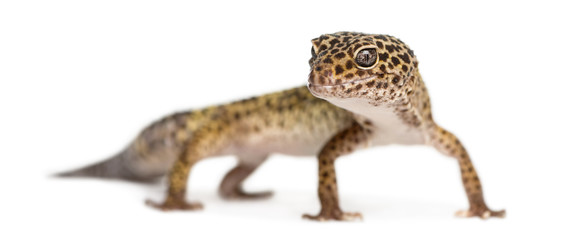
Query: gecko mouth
point(342, 84)
point(320, 90)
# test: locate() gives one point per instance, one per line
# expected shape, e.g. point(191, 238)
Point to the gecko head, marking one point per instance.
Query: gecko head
point(353, 66)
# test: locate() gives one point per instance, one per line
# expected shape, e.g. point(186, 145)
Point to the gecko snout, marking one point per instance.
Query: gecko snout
point(321, 76)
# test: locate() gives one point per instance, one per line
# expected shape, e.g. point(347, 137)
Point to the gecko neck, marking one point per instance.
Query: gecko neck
point(388, 126)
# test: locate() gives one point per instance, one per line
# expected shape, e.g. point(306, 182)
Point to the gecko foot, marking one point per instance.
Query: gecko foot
point(169, 205)
point(483, 213)
point(242, 195)
point(337, 215)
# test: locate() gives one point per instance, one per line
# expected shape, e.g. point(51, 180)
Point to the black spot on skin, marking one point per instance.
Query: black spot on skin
point(358, 46)
point(334, 51)
point(340, 55)
point(381, 37)
point(333, 42)
point(390, 48)
point(236, 115)
point(361, 73)
point(339, 69)
point(340, 45)
point(370, 84)
point(396, 80)
point(405, 68)
point(318, 69)
point(346, 39)
point(391, 65)
point(386, 85)
point(379, 85)
point(349, 90)
point(328, 60)
point(395, 61)
point(380, 44)
point(411, 53)
point(349, 76)
point(359, 86)
point(325, 174)
point(383, 68)
point(350, 52)
point(405, 58)
point(383, 56)
point(322, 48)
point(350, 64)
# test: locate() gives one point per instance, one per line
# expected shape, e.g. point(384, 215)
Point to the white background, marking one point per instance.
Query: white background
point(79, 79)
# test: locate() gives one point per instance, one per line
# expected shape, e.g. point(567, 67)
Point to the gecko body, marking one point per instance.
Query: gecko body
point(366, 91)
point(250, 129)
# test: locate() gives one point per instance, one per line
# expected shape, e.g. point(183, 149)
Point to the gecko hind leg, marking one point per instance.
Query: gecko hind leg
point(205, 143)
point(231, 186)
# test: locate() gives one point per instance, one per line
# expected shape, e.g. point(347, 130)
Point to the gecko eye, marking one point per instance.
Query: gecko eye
point(366, 58)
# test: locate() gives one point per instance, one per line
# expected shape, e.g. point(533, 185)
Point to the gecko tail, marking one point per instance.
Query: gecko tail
point(146, 159)
point(120, 166)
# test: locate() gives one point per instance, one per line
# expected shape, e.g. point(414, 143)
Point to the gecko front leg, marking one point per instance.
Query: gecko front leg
point(449, 144)
point(343, 143)
point(206, 141)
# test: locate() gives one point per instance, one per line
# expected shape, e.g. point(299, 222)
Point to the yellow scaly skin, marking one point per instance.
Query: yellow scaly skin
point(375, 103)
point(377, 78)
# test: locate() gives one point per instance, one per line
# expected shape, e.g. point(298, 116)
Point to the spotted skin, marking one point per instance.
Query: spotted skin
point(364, 90)
point(391, 105)
point(343, 143)
point(285, 122)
